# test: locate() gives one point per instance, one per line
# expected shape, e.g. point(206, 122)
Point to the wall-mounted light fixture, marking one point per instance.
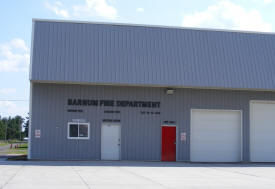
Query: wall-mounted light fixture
point(170, 91)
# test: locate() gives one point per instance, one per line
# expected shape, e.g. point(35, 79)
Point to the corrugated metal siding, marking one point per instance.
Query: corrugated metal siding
point(138, 55)
point(141, 134)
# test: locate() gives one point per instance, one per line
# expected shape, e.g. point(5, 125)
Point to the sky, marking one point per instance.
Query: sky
point(16, 26)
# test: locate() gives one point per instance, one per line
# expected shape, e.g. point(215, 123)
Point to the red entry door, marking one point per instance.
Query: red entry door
point(168, 143)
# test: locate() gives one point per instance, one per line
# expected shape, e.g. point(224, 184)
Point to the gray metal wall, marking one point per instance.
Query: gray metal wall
point(154, 56)
point(141, 137)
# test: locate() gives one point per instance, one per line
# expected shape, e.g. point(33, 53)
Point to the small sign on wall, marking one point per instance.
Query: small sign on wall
point(37, 133)
point(183, 136)
point(79, 120)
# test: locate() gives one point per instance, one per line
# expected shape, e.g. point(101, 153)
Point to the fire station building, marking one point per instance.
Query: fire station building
point(108, 91)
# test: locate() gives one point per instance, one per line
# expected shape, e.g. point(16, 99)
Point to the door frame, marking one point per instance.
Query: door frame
point(169, 125)
point(111, 123)
point(216, 109)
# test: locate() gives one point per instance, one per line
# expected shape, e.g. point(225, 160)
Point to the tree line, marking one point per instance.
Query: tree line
point(11, 128)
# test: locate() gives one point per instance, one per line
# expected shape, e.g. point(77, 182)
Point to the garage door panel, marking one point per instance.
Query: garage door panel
point(215, 136)
point(262, 132)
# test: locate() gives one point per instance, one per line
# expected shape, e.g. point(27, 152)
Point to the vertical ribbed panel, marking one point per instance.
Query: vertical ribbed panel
point(141, 134)
point(140, 55)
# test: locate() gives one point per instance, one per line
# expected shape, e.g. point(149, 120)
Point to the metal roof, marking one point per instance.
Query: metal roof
point(138, 55)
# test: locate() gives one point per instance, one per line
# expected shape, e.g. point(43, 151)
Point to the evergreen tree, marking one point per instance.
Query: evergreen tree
point(11, 128)
point(26, 127)
point(2, 130)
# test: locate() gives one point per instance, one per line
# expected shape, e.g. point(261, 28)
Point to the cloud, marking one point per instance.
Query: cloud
point(8, 108)
point(265, 2)
point(14, 56)
point(7, 91)
point(140, 9)
point(95, 7)
point(57, 8)
point(268, 1)
point(227, 15)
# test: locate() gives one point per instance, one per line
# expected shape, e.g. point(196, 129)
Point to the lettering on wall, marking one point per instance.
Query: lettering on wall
point(149, 113)
point(74, 110)
point(169, 122)
point(113, 103)
point(112, 111)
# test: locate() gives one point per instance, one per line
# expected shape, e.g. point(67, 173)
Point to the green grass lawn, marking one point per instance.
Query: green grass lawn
point(22, 149)
point(18, 151)
point(3, 144)
point(23, 145)
point(14, 141)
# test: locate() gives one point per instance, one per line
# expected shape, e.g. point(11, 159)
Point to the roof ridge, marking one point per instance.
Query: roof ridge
point(153, 26)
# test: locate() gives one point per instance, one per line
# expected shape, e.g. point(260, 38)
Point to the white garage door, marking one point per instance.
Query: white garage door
point(262, 132)
point(215, 136)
